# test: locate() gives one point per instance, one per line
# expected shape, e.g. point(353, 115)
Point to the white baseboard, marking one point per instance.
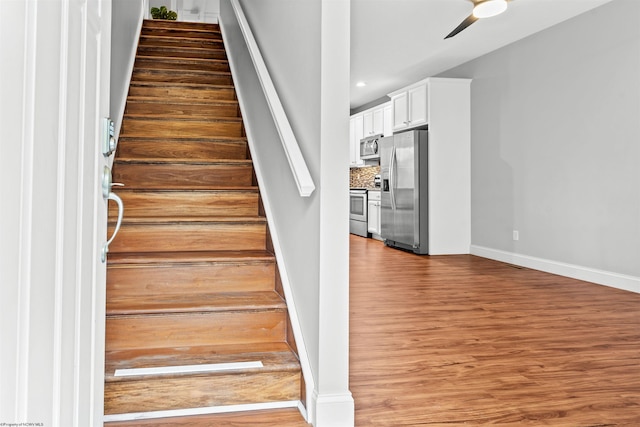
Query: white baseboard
point(333, 410)
point(212, 17)
point(601, 277)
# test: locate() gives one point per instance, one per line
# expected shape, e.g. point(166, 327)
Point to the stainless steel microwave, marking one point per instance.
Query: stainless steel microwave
point(369, 147)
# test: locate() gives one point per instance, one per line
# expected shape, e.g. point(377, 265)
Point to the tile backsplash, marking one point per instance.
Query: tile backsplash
point(363, 177)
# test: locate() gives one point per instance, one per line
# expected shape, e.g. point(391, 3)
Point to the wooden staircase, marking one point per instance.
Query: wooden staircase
point(191, 277)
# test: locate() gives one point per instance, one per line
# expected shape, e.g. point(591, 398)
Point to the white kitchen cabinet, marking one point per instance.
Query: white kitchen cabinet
point(378, 121)
point(355, 135)
point(400, 111)
point(373, 214)
point(373, 121)
point(387, 119)
point(410, 107)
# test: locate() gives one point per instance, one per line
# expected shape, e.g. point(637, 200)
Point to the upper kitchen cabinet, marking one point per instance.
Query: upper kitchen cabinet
point(356, 133)
point(375, 120)
point(387, 117)
point(410, 107)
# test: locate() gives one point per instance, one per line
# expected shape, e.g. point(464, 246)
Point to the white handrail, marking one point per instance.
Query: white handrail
point(297, 164)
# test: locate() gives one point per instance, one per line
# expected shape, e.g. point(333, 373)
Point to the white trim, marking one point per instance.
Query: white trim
point(305, 364)
point(201, 411)
point(298, 166)
point(601, 277)
point(60, 213)
point(80, 239)
point(26, 211)
point(165, 370)
point(334, 410)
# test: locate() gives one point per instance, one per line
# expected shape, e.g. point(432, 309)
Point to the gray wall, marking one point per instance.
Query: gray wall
point(556, 142)
point(288, 34)
point(296, 219)
point(125, 23)
point(303, 45)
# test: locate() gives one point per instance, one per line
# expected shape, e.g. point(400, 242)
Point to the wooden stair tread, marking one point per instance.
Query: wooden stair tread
point(205, 148)
point(180, 60)
point(288, 417)
point(181, 85)
point(193, 219)
point(180, 49)
point(189, 257)
point(190, 191)
point(211, 189)
point(186, 187)
point(275, 355)
point(181, 119)
point(188, 303)
point(171, 71)
point(124, 139)
point(145, 38)
point(183, 161)
point(155, 100)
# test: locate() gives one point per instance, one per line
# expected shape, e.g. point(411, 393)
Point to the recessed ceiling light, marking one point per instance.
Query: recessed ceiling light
point(489, 8)
point(361, 84)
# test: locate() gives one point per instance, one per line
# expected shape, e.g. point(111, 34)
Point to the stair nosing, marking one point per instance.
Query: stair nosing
point(204, 303)
point(184, 161)
point(180, 85)
point(181, 72)
point(178, 59)
point(174, 37)
point(111, 314)
point(180, 48)
point(231, 139)
point(252, 190)
point(178, 118)
point(180, 101)
point(192, 257)
point(173, 220)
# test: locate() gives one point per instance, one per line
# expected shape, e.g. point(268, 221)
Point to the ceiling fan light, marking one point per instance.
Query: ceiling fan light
point(489, 8)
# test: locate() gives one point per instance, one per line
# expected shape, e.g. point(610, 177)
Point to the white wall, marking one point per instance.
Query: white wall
point(126, 23)
point(555, 146)
point(309, 67)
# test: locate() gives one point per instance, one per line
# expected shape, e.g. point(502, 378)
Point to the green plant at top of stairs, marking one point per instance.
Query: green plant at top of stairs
point(163, 13)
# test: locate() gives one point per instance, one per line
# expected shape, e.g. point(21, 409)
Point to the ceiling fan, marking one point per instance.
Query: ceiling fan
point(481, 9)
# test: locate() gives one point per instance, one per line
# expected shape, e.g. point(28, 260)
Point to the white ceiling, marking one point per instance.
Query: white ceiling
point(397, 42)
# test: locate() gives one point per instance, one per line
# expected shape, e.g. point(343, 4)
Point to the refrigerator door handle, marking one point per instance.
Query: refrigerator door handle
point(392, 178)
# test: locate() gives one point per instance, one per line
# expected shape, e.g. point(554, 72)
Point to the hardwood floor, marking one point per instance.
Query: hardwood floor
point(462, 340)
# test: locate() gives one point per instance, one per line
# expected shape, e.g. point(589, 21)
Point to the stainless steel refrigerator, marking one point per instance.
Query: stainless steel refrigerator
point(404, 190)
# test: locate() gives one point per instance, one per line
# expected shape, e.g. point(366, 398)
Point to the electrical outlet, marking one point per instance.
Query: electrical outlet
point(516, 235)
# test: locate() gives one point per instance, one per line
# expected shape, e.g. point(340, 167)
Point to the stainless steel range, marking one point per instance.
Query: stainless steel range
point(358, 212)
